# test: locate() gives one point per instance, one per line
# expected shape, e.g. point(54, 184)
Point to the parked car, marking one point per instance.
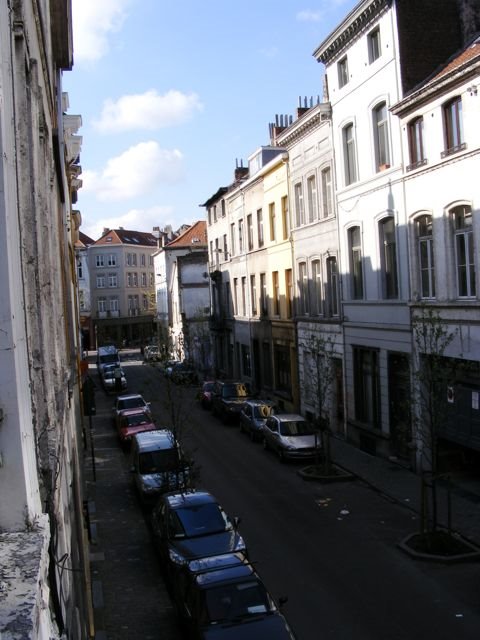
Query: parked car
point(291, 437)
point(107, 354)
point(184, 373)
point(109, 379)
point(204, 396)
point(192, 525)
point(158, 465)
point(168, 367)
point(129, 401)
point(131, 422)
point(253, 415)
point(228, 397)
point(223, 597)
point(151, 353)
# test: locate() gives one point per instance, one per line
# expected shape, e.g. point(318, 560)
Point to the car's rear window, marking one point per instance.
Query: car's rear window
point(203, 519)
point(234, 601)
point(296, 428)
point(158, 461)
point(235, 391)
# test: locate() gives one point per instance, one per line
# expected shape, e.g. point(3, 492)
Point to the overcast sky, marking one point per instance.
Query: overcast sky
point(173, 94)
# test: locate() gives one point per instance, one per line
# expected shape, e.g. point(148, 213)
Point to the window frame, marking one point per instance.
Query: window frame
point(374, 45)
point(356, 263)
point(452, 114)
point(327, 193)
point(349, 154)
point(465, 271)
point(388, 257)
point(416, 149)
point(424, 243)
point(381, 136)
point(299, 204)
point(312, 197)
point(342, 72)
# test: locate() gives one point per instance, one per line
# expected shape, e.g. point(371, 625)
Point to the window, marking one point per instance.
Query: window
point(388, 257)
point(145, 302)
point(342, 68)
point(424, 235)
point(276, 294)
point(312, 198)
point(246, 365)
point(453, 126)
point(100, 282)
point(464, 251)
point(349, 155)
point(316, 288)
point(415, 144)
point(380, 135)
point(129, 259)
point(112, 260)
point(134, 259)
point(99, 261)
point(271, 216)
point(263, 295)
point(289, 292)
point(213, 258)
point(302, 288)
point(214, 212)
point(114, 305)
point(285, 228)
point(374, 49)
point(135, 279)
point(112, 280)
point(151, 279)
point(253, 295)
point(282, 368)
point(326, 192)
point(235, 295)
point(144, 279)
point(129, 279)
point(225, 247)
point(240, 236)
point(80, 269)
point(250, 231)
point(223, 208)
point(367, 386)
point(356, 266)
point(232, 238)
point(332, 286)
point(142, 260)
point(150, 261)
point(244, 296)
point(299, 210)
point(102, 305)
point(260, 227)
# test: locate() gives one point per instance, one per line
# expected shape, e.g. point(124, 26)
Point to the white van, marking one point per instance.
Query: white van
point(158, 465)
point(108, 354)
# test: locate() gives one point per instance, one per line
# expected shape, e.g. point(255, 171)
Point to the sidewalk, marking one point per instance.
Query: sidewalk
point(403, 486)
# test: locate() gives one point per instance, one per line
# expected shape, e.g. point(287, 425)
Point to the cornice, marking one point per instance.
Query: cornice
point(355, 23)
point(312, 120)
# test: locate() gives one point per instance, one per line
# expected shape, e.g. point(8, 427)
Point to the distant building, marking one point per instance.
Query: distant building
point(84, 296)
point(123, 287)
point(183, 297)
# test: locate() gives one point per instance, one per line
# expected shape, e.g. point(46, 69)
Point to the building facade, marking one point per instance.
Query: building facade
point(43, 539)
point(122, 285)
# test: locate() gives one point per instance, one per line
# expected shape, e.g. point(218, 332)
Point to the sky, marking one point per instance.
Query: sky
point(174, 94)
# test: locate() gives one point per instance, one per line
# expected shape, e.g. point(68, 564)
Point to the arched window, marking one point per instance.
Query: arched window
point(349, 154)
point(426, 263)
point(380, 135)
point(464, 252)
point(388, 257)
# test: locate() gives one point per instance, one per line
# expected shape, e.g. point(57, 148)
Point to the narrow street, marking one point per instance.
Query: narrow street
point(330, 548)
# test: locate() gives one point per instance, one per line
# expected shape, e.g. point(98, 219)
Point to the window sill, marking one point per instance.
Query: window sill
point(453, 150)
point(417, 165)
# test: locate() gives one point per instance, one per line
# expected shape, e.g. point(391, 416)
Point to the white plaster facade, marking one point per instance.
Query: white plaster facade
point(315, 246)
point(183, 297)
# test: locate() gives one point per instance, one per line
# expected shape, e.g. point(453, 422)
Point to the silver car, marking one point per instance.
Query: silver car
point(253, 416)
point(291, 437)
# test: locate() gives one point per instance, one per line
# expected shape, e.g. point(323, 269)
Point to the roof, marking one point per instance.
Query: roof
point(83, 240)
point(179, 500)
point(129, 237)
point(457, 61)
point(153, 440)
point(196, 235)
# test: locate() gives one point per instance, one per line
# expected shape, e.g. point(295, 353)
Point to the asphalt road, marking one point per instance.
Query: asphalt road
point(330, 548)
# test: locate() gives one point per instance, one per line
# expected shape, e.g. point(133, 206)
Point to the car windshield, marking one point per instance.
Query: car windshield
point(235, 391)
point(236, 601)
point(262, 411)
point(296, 428)
point(203, 519)
point(111, 374)
point(158, 461)
point(137, 420)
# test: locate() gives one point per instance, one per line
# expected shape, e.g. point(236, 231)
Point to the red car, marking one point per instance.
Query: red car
point(204, 396)
point(132, 421)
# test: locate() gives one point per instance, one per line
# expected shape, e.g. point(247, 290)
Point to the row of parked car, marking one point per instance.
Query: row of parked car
point(289, 435)
point(216, 590)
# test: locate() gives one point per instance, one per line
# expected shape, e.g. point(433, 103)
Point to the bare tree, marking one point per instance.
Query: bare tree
point(318, 377)
point(432, 375)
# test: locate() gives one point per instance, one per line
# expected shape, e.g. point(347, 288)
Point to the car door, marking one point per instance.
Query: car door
point(272, 434)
